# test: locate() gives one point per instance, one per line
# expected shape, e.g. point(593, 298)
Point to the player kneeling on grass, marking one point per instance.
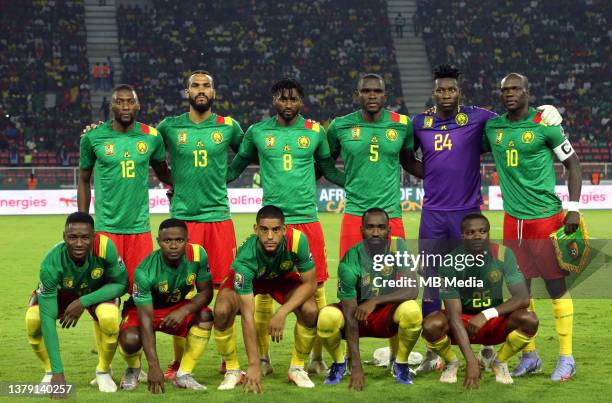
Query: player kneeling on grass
point(368, 306)
point(83, 272)
point(161, 282)
point(478, 314)
point(277, 262)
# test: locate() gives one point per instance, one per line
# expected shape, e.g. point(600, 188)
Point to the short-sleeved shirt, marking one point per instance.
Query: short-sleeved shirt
point(157, 283)
point(357, 278)
point(497, 267)
point(523, 153)
point(59, 272)
point(198, 157)
point(451, 157)
point(252, 262)
point(120, 163)
point(286, 157)
point(370, 151)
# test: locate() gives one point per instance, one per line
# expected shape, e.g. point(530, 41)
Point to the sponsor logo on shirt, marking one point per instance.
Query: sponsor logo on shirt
point(191, 278)
point(142, 147)
point(511, 143)
point(68, 282)
point(127, 154)
point(97, 273)
point(303, 142)
point(163, 287)
point(356, 133)
point(428, 122)
point(270, 141)
point(109, 149)
point(498, 140)
point(200, 144)
point(461, 119)
point(527, 137)
point(391, 134)
point(374, 139)
point(287, 148)
point(182, 137)
point(238, 281)
point(217, 137)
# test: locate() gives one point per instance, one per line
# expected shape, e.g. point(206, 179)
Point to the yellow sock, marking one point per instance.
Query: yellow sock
point(409, 318)
point(264, 308)
point(226, 345)
point(35, 337)
point(178, 344)
point(97, 334)
point(563, 310)
point(108, 321)
point(443, 348)
point(303, 339)
point(515, 342)
point(132, 360)
point(197, 340)
point(321, 300)
point(329, 324)
point(531, 345)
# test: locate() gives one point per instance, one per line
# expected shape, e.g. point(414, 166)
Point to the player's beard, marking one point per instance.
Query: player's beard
point(124, 124)
point(201, 108)
point(376, 246)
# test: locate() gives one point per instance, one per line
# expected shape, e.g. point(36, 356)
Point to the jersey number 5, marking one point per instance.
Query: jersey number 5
point(200, 158)
point(442, 142)
point(374, 152)
point(127, 169)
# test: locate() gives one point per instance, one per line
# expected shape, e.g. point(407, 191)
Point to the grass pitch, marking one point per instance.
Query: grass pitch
point(26, 239)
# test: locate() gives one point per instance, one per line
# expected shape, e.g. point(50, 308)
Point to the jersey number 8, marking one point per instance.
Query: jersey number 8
point(287, 162)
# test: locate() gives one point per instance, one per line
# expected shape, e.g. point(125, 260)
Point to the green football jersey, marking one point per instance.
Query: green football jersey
point(198, 156)
point(357, 278)
point(286, 158)
point(499, 267)
point(120, 163)
point(157, 283)
point(252, 262)
point(523, 153)
point(370, 151)
point(101, 278)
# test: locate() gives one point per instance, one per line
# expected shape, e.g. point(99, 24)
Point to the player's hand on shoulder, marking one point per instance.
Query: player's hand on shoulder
point(357, 381)
point(156, 380)
point(571, 222)
point(550, 115)
point(90, 127)
point(252, 380)
point(472, 375)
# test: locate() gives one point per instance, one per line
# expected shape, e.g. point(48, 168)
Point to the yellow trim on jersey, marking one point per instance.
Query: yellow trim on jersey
point(393, 246)
point(196, 252)
point(403, 119)
point(501, 253)
point(296, 240)
point(103, 244)
point(316, 127)
point(227, 120)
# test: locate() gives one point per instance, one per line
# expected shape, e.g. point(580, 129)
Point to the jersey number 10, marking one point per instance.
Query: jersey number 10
point(512, 157)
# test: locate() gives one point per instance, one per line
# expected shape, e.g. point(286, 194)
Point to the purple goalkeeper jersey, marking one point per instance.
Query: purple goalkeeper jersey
point(451, 158)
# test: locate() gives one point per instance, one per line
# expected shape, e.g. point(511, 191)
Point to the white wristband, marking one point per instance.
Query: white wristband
point(572, 206)
point(490, 313)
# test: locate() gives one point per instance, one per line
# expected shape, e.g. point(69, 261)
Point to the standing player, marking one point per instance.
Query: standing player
point(287, 147)
point(83, 272)
point(198, 142)
point(451, 142)
point(368, 306)
point(523, 149)
point(119, 153)
point(276, 261)
point(478, 314)
point(161, 282)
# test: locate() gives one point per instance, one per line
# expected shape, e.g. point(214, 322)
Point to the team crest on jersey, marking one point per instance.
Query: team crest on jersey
point(374, 139)
point(498, 140)
point(494, 276)
point(366, 280)
point(303, 142)
point(356, 133)
point(182, 137)
point(109, 149)
point(461, 119)
point(527, 137)
point(391, 134)
point(261, 271)
point(127, 154)
point(387, 270)
point(428, 122)
point(270, 141)
point(286, 265)
point(200, 144)
point(191, 278)
point(511, 143)
point(142, 147)
point(217, 137)
point(163, 287)
point(97, 273)
point(68, 282)
point(238, 281)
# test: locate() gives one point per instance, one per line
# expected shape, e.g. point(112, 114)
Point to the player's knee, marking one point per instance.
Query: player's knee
point(204, 319)
point(129, 339)
point(408, 315)
point(435, 326)
point(330, 321)
point(108, 318)
point(223, 315)
point(32, 319)
point(308, 313)
point(527, 322)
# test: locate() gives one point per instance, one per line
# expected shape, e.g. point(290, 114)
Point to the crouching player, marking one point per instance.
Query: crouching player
point(83, 272)
point(278, 262)
point(368, 306)
point(161, 282)
point(476, 313)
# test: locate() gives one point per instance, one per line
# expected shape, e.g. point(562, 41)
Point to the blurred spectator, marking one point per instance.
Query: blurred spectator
point(32, 182)
point(13, 156)
point(105, 109)
point(96, 73)
point(256, 180)
point(105, 77)
point(63, 157)
point(400, 23)
point(111, 77)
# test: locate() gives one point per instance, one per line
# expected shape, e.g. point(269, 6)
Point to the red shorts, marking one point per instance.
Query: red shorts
point(65, 298)
point(530, 241)
point(350, 232)
point(279, 287)
point(132, 248)
point(380, 323)
point(495, 331)
point(130, 319)
point(316, 242)
point(219, 241)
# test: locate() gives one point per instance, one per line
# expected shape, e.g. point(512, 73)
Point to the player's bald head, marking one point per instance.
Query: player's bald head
point(523, 79)
point(368, 77)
